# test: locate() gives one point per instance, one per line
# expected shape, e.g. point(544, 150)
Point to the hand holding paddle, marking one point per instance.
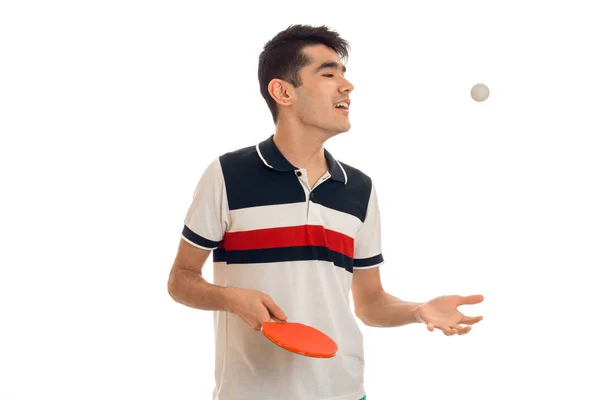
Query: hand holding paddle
point(259, 311)
point(253, 307)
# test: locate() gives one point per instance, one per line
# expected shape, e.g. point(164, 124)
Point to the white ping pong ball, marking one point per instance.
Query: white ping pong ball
point(480, 92)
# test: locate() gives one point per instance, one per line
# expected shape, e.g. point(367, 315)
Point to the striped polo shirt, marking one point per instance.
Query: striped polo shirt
point(269, 231)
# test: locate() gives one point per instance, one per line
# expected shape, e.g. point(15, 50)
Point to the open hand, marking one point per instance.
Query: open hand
point(442, 313)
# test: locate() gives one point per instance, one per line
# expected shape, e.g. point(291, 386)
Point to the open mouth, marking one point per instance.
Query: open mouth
point(343, 106)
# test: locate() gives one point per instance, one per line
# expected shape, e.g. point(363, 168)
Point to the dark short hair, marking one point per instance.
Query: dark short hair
point(282, 56)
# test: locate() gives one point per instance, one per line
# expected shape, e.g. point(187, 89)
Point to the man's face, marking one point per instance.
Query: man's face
point(323, 88)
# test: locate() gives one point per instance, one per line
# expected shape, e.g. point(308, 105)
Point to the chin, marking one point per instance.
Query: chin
point(335, 129)
point(344, 128)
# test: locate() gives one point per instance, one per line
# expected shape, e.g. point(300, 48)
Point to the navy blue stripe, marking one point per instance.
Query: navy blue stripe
point(368, 262)
point(219, 255)
point(199, 240)
point(352, 198)
point(250, 183)
point(299, 253)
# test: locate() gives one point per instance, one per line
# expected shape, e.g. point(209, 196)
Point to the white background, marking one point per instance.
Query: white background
point(110, 111)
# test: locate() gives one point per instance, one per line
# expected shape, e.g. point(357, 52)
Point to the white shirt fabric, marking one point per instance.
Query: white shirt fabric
point(302, 253)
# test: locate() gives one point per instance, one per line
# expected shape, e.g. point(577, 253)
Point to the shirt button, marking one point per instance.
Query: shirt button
point(312, 195)
point(298, 173)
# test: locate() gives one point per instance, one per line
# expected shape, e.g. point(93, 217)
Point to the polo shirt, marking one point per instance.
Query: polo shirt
point(270, 232)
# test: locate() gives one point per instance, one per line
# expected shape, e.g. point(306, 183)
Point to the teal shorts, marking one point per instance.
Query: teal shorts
point(364, 398)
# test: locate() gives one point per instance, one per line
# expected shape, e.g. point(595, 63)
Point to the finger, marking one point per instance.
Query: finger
point(256, 325)
point(463, 330)
point(274, 309)
point(448, 331)
point(430, 327)
point(473, 299)
point(265, 316)
point(470, 320)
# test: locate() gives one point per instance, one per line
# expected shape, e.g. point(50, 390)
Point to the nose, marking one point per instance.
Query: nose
point(347, 86)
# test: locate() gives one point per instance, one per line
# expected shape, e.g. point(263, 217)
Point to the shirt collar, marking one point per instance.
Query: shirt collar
point(271, 156)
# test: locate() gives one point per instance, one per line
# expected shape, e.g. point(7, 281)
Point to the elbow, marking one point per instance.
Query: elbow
point(172, 286)
point(363, 316)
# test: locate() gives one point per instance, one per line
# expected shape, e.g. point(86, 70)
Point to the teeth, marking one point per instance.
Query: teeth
point(342, 104)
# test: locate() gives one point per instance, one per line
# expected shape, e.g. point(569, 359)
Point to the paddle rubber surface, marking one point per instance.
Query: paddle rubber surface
point(301, 339)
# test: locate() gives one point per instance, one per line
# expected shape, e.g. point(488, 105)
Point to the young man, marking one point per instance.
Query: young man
point(292, 231)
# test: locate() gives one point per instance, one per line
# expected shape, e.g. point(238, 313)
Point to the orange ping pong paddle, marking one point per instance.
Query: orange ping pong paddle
point(299, 338)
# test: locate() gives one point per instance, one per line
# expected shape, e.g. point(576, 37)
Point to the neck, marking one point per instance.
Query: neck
point(302, 147)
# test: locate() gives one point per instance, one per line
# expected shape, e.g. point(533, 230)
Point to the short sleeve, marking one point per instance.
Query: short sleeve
point(207, 217)
point(367, 245)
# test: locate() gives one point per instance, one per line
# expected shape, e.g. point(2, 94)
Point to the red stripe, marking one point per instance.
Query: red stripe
point(290, 236)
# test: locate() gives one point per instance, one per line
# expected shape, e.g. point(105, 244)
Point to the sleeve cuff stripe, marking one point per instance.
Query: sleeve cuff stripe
point(197, 239)
point(368, 262)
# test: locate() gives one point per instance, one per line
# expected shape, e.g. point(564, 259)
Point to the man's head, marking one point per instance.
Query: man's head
point(301, 77)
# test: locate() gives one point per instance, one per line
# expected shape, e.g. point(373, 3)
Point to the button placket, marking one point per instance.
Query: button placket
point(302, 178)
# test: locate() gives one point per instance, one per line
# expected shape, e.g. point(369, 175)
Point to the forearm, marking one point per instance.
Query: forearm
point(388, 311)
point(191, 289)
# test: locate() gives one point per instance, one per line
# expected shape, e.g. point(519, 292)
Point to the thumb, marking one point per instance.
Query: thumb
point(274, 309)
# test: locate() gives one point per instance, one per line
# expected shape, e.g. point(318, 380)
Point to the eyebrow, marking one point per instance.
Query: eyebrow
point(330, 64)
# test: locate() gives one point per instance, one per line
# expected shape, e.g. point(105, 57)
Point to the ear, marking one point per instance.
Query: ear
point(281, 91)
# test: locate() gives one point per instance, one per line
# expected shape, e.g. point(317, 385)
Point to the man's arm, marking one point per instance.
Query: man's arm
point(374, 307)
point(186, 284)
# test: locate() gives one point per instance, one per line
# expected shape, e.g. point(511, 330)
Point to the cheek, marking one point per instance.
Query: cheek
point(324, 103)
point(315, 103)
